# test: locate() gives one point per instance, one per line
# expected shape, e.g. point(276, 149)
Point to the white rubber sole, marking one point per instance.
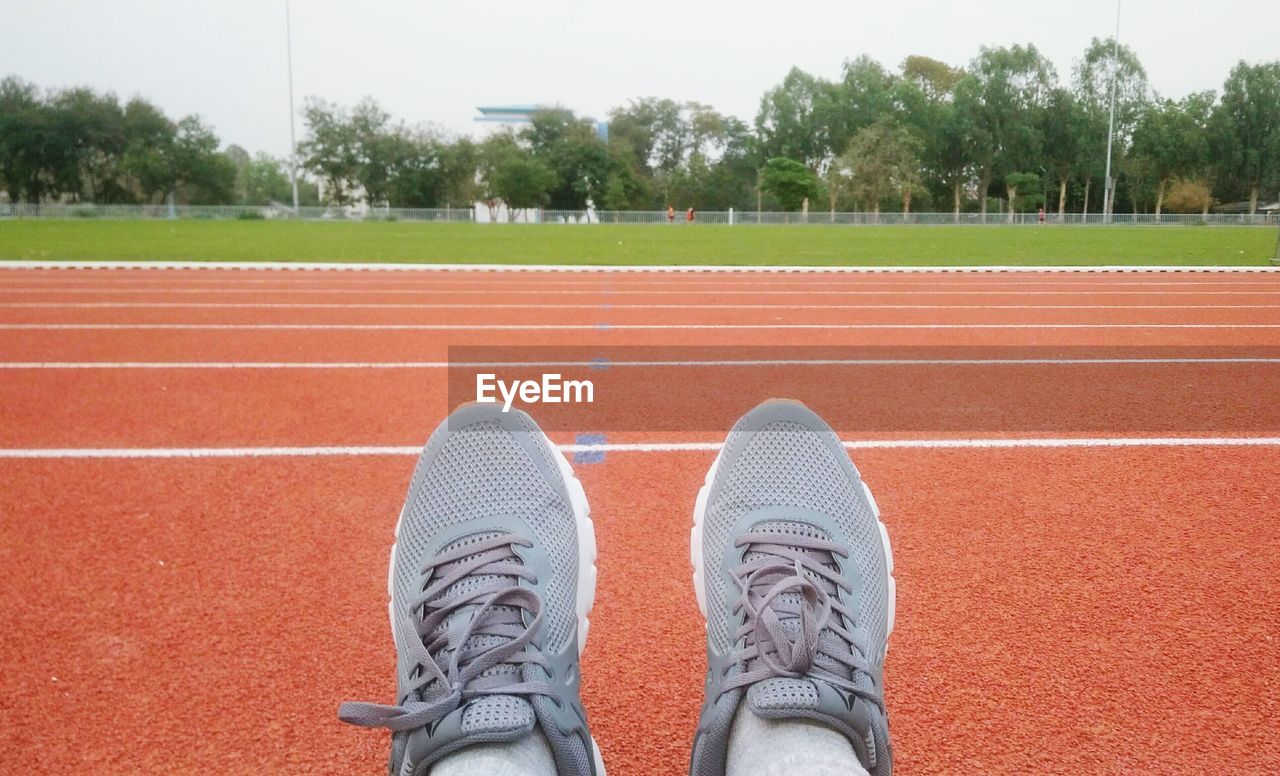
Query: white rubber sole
point(586, 593)
point(700, 572)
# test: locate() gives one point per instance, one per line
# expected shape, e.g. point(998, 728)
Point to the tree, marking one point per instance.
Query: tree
point(1172, 139)
point(837, 184)
point(925, 97)
point(1015, 181)
point(864, 95)
point(523, 181)
point(164, 159)
point(491, 155)
point(459, 162)
point(883, 160)
point(1002, 102)
point(378, 149)
point(1092, 82)
point(1188, 196)
point(790, 181)
point(265, 181)
point(240, 160)
point(1246, 129)
point(24, 146)
point(1065, 130)
point(87, 138)
point(205, 176)
point(793, 120)
point(331, 149)
point(149, 134)
point(571, 149)
point(936, 80)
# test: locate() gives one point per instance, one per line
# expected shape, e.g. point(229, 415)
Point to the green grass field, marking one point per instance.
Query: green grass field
point(633, 244)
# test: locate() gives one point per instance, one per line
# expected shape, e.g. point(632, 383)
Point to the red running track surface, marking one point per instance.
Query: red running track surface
point(1060, 610)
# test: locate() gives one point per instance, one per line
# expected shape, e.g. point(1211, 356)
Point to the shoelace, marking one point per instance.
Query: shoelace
point(434, 692)
point(787, 564)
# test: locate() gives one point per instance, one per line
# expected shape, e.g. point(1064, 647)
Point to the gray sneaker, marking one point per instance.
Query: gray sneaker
point(491, 580)
point(793, 574)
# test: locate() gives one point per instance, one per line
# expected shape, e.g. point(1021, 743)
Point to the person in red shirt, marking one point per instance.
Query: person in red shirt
point(689, 215)
point(671, 214)
point(1040, 217)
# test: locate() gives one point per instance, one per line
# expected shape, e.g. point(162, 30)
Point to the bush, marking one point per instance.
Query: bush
point(1187, 196)
point(250, 215)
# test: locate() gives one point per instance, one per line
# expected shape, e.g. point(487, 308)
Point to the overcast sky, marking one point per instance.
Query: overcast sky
point(436, 61)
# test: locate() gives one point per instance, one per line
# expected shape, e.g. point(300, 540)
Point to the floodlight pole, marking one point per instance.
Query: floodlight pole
point(293, 139)
point(1107, 197)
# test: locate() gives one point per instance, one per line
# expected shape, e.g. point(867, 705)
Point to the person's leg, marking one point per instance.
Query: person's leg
point(787, 747)
point(492, 576)
point(793, 572)
point(530, 756)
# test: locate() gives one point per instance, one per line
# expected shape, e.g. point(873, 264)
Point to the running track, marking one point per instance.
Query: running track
point(201, 471)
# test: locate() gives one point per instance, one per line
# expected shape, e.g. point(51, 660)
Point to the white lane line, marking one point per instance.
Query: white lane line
point(600, 327)
point(621, 291)
point(598, 306)
point(673, 269)
point(629, 447)
point(634, 364)
point(516, 284)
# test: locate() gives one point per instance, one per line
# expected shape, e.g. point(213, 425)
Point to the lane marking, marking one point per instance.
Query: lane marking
point(621, 269)
point(598, 326)
point(589, 448)
point(614, 293)
point(623, 306)
point(518, 283)
point(599, 364)
point(631, 447)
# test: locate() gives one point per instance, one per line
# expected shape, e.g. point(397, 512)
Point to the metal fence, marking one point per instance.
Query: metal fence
point(481, 214)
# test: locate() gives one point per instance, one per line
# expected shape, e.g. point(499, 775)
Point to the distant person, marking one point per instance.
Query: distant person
point(688, 216)
point(1040, 216)
point(671, 214)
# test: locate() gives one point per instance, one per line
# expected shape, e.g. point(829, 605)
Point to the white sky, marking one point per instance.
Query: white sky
point(433, 61)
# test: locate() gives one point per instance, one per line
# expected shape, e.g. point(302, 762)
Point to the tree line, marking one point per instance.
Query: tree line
point(1000, 133)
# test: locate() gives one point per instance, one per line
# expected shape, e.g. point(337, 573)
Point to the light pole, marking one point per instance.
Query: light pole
point(293, 139)
point(1111, 123)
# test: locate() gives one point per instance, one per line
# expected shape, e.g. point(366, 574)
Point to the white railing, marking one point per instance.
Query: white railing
point(480, 214)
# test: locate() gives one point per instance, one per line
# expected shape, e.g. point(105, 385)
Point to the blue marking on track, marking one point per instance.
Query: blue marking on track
point(589, 456)
point(599, 364)
point(603, 326)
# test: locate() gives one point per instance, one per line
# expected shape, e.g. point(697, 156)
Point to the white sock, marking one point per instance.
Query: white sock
point(773, 747)
point(529, 756)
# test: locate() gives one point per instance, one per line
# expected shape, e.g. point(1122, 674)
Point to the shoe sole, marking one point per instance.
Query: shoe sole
point(586, 593)
point(696, 555)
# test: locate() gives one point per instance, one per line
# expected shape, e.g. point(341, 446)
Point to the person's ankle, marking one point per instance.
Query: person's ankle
point(528, 756)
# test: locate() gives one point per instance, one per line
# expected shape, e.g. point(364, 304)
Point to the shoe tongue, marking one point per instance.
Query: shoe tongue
point(488, 719)
point(498, 718)
point(782, 697)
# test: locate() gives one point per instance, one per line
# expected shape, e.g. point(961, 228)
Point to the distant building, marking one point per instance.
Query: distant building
point(523, 114)
point(1236, 208)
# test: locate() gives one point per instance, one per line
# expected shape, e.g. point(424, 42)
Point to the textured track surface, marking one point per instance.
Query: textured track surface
point(1079, 610)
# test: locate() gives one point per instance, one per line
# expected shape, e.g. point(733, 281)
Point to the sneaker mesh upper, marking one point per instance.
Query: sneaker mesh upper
point(788, 464)
point(480, 471)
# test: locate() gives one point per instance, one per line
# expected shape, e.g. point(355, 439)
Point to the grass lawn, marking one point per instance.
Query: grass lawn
point(632, 244)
